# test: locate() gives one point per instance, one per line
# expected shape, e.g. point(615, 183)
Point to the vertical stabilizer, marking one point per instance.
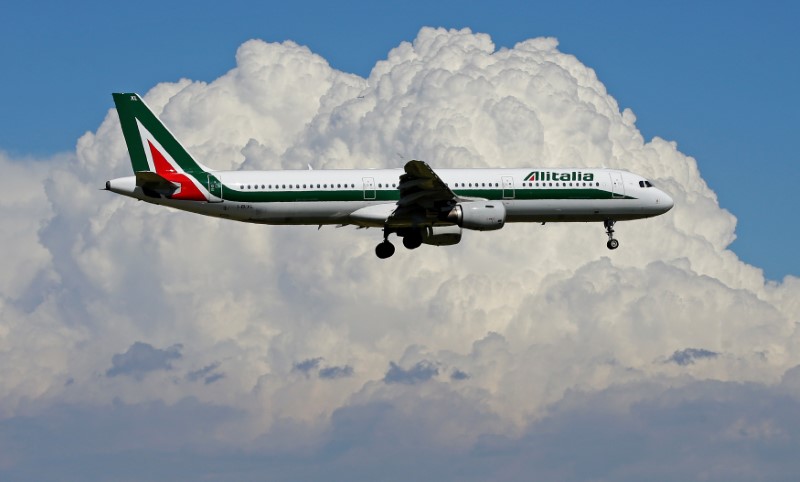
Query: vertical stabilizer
point(156, 153)
point(151, 145)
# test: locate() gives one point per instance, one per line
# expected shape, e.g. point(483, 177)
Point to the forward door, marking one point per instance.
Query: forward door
point(617, 188)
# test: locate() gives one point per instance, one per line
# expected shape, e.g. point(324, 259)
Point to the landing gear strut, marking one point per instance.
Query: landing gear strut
point(385, 249)
point(612, 243)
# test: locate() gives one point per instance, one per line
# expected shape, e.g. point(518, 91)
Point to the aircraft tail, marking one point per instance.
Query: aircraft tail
point(150, 144)
point(158, 159)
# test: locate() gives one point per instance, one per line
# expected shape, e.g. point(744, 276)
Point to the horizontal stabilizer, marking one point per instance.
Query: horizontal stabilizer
point(152, 181)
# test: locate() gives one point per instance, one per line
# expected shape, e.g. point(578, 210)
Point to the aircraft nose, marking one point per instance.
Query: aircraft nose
point(665, 201)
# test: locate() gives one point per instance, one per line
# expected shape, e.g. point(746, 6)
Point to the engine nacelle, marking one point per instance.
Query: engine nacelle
point(441, 235)
point(479, 215)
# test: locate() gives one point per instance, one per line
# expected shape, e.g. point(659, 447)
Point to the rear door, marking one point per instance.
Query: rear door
point(215, 188)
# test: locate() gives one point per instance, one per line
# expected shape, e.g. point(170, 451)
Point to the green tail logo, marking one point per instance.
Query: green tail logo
point(153, 149)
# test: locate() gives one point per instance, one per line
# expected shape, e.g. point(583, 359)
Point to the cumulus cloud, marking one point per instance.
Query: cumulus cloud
point(494, 347)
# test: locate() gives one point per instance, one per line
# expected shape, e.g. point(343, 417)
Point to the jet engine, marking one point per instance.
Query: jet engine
point(441, 235)
point(478, 215)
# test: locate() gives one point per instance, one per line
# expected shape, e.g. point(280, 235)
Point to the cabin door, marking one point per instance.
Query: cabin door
point(369, 188)
point(215, 188)
point(617, 189)
point(508, 187)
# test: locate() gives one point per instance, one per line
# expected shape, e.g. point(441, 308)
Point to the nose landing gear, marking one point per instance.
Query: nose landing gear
point(612, 243)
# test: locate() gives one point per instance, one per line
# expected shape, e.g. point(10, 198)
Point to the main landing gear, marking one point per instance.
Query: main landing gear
point(612, 243)
point(412, 239)
point(384, 250)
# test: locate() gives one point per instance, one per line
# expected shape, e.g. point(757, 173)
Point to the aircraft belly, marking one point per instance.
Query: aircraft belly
point(339, 212)
point(566, 210)
point(327, 212)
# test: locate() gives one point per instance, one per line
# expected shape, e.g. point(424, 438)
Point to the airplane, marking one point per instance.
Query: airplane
point(417, 203)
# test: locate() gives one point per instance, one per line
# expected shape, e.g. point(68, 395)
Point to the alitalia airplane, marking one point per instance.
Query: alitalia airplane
point(417, 203)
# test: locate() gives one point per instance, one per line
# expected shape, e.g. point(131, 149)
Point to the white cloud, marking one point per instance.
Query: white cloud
point(539, 322)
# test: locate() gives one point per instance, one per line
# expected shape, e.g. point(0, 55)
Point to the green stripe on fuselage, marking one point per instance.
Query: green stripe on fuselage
point(394, 195)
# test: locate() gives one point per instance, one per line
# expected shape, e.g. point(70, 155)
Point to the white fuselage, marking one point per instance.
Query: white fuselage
point(319, 197)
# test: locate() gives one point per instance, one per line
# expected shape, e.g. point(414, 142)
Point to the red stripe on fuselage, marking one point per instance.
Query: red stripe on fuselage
point(188, 191)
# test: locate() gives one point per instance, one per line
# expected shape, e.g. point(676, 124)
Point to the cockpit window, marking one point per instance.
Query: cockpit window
point(645, 184)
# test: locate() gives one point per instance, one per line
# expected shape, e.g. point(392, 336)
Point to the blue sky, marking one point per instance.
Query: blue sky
point(719, 79)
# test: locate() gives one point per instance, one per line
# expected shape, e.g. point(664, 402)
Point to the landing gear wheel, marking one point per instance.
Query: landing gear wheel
point(612, 243)
point(384, 250)
point(412, 241)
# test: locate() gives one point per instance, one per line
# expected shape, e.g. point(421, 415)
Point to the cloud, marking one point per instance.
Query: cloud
point(307, 365)
point(142, 358)
point(420, 372)
point(206, 374)
point(558, 339)
point(332, 373)
point(689, 355)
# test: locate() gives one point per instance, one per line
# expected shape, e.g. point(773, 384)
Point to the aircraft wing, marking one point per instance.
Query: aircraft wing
point(423, 197)
point(420, 186)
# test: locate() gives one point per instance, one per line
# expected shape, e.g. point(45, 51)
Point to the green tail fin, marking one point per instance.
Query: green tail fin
point(144, 133)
